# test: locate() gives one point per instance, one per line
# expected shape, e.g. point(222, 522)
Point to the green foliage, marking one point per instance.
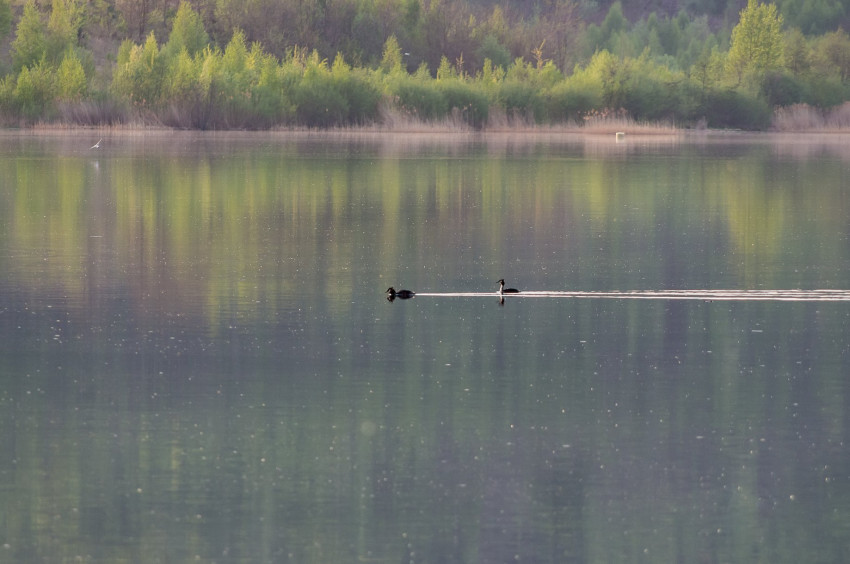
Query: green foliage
point(34, 91)
point(184, 91)
point(269, 95)
point(729, 108)
point(543, 76)
point(366, 32)
point(7, 95)
point(360, 93)
point(813, 17)
point(139, 74)
point(491, 75)
point(317, 103)
point(781, 89)
point(30, 44)
point(651, 90)
point(418, 98)
point(5, 19)
point(446, 71)
point(391, 61)
point(825, 92)
point(63, 27)
point(833, 54)
point(797, 52)
point(708, 70)
point(466, 101)
point(512, 56)
point(574, 98)
point(615, 22)
point(647, 91)
point(608, 71)
point(491, 49)
point(521, 99)
point(187, 32)
point(757, 45)
point(71, 82)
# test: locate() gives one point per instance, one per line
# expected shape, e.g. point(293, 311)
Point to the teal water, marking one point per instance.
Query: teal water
point(198, 362)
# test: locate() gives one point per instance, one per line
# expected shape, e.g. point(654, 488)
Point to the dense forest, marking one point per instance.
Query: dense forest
point(477, 63)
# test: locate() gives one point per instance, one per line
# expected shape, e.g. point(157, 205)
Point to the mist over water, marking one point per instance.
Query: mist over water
point(198, 361)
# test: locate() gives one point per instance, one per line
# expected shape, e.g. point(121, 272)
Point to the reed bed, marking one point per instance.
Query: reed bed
point(802, 118)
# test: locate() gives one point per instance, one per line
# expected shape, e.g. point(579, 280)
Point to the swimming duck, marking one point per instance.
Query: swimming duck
point(402, 294)
point(503, 290)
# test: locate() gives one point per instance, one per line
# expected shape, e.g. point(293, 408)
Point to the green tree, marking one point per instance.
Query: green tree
point(614, 22)
point(187, 32)
point(63, 26)
point(70, 78)
point(5, 18)
point(34, 91)
point(490, 49)
point(139, 73)
point(391, 62)
point(813, 16)
point(797, 58)
point(30, 44)
point(833, 54)
point(757, 44)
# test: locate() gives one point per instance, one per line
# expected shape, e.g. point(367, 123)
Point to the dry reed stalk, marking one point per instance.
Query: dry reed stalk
point(801, 118)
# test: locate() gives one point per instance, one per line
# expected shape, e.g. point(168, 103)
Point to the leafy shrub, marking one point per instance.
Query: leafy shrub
point(269, 94)
point(492, 49)
point(30, 44)
point(7, 95)
point(319, 105)
point(647, 98)
point(573, 98)
point(730, 108)
point(362, 96)
point(318, 102)
point(518, 98)
point(187, 32)
point(71, 82)
point(825, 92)
point(34, 91)
point(139, 73)
point(471, 103)
point(781, 89)
point(419, 99)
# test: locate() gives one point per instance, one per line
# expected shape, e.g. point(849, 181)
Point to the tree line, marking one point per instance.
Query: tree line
point(326, 63)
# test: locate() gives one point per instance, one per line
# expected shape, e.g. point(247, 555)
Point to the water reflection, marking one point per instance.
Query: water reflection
point(197, 361)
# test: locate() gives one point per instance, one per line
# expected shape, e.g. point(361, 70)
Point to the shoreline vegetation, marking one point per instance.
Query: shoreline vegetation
point(795, 119)
point(755, 77)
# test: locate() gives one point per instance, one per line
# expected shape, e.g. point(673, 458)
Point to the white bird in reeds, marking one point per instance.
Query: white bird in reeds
point(97, 145)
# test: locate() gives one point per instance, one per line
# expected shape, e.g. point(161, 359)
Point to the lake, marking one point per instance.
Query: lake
point(198, 361)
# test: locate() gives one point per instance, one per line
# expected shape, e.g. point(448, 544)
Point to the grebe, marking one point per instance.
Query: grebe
point(402, 294)
point(503, 290)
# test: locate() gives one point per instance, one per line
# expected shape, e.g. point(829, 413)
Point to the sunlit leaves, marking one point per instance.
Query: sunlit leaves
point(139, 74)
point(63, 26)
point(756, 41)
point(71, 84)
point(30, 43)
point(34, 90)
point(187, 32)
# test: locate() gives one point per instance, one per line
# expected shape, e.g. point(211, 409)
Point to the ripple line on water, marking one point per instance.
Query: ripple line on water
point(707, 295)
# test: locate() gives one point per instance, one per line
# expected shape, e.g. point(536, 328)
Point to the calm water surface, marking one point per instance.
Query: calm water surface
point(198, 362)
